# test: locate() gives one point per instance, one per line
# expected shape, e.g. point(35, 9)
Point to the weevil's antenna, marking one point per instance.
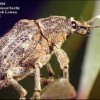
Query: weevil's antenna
point(82, 18)
point(94, 26)
point(93, 19)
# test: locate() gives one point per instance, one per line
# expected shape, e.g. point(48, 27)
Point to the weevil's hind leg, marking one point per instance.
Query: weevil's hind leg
point(50, 72)
point(15, 74)
point(19, 88)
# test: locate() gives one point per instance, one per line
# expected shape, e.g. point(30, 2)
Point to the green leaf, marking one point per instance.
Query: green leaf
point(91, 65)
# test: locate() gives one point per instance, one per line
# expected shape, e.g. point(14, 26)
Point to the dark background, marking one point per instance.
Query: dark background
point(28, 10)
point(74, 46)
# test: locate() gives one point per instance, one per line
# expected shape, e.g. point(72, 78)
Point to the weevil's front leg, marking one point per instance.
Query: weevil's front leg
point(63, 61)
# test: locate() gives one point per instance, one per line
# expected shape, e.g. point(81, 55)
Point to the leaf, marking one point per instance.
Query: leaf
point(91, 65)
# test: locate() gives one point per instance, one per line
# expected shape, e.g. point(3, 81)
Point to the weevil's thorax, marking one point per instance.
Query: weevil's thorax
point(55, 29)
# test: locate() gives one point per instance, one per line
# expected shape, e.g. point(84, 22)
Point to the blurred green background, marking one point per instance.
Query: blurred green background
point(74, 46)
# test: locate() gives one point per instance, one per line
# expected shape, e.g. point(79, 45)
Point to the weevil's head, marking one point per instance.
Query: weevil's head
point(80, 27)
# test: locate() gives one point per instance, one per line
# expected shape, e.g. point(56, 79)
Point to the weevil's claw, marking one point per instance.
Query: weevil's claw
point(36, 96)
point(22, 98)
point(44, 81)
point(51, 79)
point(47, 81)
point(65, 74)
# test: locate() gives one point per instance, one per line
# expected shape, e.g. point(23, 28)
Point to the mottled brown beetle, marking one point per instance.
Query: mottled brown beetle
point(30, 44)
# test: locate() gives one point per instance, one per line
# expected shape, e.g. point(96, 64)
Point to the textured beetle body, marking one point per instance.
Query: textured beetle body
point(18, 44)
point(30, 39)
point(29, 45)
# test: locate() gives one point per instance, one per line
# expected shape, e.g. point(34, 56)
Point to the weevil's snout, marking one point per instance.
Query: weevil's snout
point(80, 27)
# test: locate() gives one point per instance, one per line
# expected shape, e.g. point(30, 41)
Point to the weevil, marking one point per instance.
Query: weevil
point(29, 45)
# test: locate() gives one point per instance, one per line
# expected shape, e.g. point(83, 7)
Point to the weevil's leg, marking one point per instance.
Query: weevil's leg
point(15, 74)
point(44, 81)
point(63, 61)
point(38, 64)
point(2, 84)
point(16, 85)
point(37, 87)
point(19, 88)
point(50, 71)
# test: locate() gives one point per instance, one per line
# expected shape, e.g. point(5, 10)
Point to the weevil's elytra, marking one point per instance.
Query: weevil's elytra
point(30, 44)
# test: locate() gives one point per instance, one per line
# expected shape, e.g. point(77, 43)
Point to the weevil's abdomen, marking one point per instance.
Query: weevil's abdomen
point(17, 44)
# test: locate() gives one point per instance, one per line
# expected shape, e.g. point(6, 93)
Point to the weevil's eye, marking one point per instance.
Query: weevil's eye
point(74, 25)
